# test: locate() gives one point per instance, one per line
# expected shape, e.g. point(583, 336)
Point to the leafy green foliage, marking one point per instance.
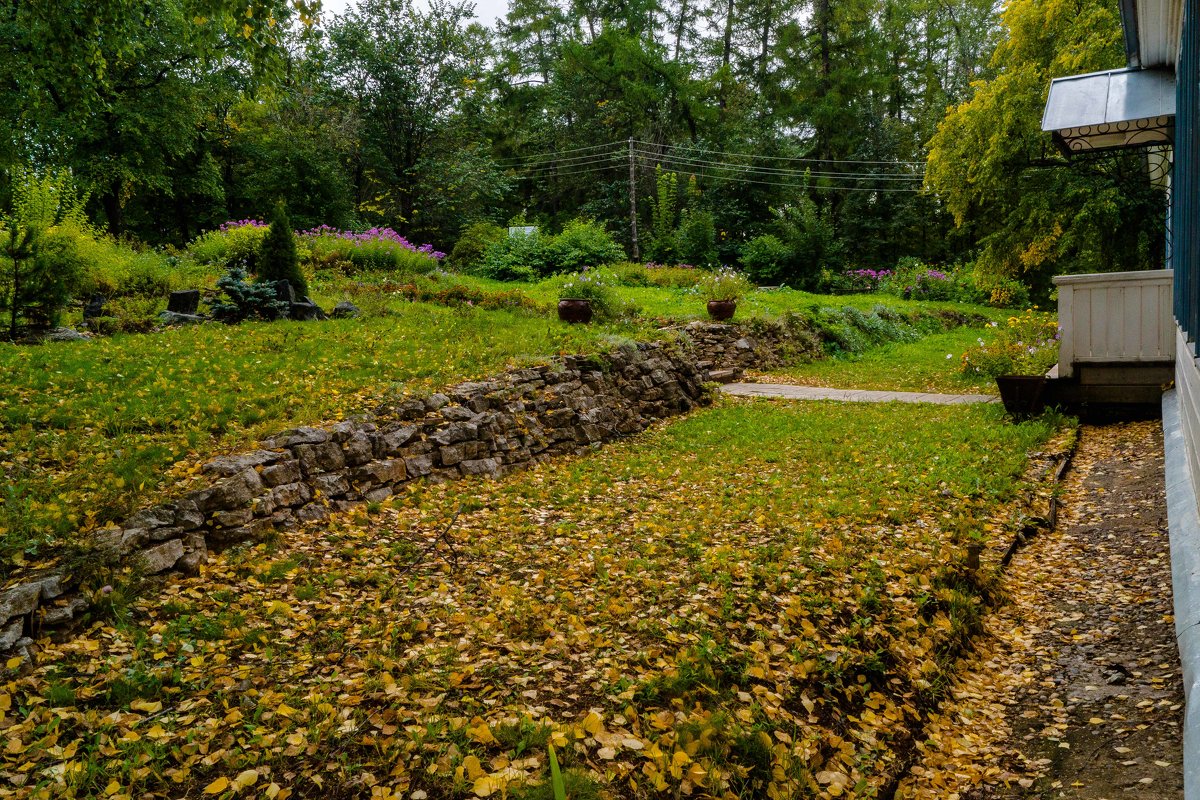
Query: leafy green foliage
point(984, 161)
point(277, 259)
point(1027, 344)
point(765, 259)
point(473, 243)
point(583, 244)
point(39, 259)
point(696, 239)
point(235, 244)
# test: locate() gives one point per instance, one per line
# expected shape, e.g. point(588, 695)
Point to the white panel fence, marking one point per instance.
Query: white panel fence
point(1116, 317)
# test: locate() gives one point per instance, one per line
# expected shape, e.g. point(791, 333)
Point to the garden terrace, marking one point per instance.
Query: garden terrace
point(95, 430)
point(758, 599)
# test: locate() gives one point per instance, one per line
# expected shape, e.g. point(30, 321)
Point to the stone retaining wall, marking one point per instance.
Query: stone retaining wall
point(478, 428)
point(302, 475)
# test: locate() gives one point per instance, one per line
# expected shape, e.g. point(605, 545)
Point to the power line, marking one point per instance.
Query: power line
point(778, 158)
point(807, 186)
point(555, 154)
point(697, 162)
point(578, 161)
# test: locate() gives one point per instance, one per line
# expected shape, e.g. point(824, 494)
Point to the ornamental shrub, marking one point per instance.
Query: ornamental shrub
point(473, 243)
point(245, 300)
point(765, 259)
point(39, 254)
point(277, 259)
point(583, 244)
point(235, 243)
point(516, 257)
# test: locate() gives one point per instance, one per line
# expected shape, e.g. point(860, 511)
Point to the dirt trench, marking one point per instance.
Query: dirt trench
point(1075, 690)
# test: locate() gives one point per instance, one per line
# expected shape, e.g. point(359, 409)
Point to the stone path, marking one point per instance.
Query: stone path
point(789, 392)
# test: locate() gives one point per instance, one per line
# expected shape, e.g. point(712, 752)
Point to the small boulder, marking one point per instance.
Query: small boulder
point(174, 318)
point(346, 310)
point(95, 307)
point(64, 335)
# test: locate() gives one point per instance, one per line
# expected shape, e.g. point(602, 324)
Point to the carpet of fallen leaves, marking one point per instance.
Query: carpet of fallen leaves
point(1075, 692)
point(760, 600)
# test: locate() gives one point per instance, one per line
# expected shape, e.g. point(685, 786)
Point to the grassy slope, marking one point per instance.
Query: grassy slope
point(95, 426)
point(758, 594)
point(929, 365)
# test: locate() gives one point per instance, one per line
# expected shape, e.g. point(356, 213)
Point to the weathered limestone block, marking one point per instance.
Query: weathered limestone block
point(317, 458)
point(291, 494)
point(11, 633)
point(232, 465)
point(313, 512)
point(334, 484)
point(378, 495)
point(159, 558)
point(63, 610)
point(393, 439)
point(456, 432)
point(195, 553)
point(284, 472)
point(419, 466)
point(231, 493)
point(187, 515)
point(451, 454)
point(481, 466)
point(233, 519)
point(378, 472)
point(358, 449)
point(156, 517)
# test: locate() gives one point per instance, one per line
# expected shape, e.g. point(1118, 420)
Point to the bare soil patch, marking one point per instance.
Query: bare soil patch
point(1077, 691)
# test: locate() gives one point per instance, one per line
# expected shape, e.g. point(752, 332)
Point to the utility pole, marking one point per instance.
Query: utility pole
point(633, 204)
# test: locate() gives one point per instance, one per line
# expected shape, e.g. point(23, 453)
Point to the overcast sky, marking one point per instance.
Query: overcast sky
point(486, 11)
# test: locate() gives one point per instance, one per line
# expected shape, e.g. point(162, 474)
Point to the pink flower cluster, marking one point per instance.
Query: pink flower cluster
point(242, 223)
point(373, 235)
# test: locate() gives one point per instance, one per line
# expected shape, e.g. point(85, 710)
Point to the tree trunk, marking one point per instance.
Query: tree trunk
point(111, 200)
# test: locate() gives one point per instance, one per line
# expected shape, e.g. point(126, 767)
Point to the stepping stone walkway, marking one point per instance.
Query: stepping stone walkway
point(789, 392)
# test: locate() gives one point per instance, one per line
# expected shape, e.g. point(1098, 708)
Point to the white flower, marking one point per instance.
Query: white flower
point(949, 356)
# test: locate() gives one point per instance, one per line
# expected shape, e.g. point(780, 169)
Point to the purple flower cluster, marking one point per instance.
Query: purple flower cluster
point(372, 235)
point(934, 275)
point(870, 274)
point(242, 223)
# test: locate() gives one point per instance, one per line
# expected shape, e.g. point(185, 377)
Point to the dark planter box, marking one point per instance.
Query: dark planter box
point(574, 310)
point(1021, 394)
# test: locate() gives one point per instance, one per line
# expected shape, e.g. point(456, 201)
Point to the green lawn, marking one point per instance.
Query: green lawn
point(686, 304)
point(929, 365)
point(761, 599)
point(90, 430)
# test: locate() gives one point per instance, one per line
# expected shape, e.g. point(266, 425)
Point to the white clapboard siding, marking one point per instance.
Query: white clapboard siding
point(1115, 317)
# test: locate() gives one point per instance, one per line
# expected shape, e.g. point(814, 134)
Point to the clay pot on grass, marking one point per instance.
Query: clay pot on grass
point(574, 310)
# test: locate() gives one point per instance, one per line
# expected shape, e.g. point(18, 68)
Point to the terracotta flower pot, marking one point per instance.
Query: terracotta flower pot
point(1021, 394)
point(574, 310)
point(721, 310)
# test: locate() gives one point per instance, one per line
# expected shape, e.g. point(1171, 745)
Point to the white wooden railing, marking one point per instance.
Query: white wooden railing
point(1116, 317)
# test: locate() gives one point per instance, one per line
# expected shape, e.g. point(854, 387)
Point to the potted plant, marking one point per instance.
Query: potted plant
point(584, 295)
point(1018, 359)
point(722, 289)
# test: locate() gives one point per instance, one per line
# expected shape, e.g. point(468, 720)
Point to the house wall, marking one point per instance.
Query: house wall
point(1115, 317)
